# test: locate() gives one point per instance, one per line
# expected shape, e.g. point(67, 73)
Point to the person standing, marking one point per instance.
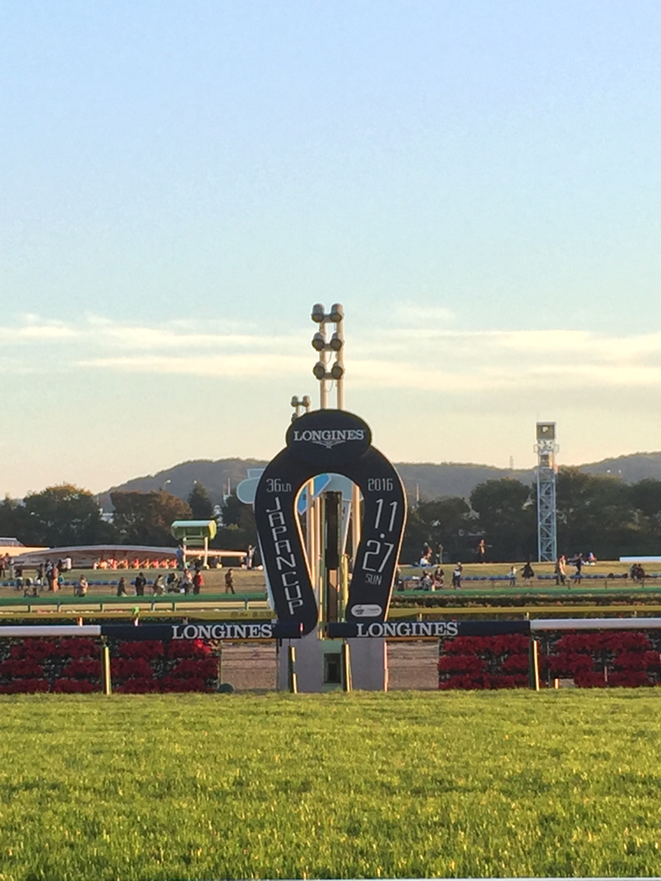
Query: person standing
point(527, 573)
point(560, 571)
point(187, 581)
point(140, 582)
point(53, 579)
point(198, 581)
point(229, 581)
point(121, 587)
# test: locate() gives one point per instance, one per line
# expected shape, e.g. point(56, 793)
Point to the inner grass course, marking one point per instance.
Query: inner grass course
point(362, 785)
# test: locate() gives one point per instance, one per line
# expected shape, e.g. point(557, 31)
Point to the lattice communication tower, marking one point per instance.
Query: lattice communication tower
point(547, 536)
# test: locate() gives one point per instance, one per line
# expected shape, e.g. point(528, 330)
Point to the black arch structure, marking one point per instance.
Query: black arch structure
point(330, 441)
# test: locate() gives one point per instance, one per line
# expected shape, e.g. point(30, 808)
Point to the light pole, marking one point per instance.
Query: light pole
point(546, 448)
point(300, 405)
point(326, 348)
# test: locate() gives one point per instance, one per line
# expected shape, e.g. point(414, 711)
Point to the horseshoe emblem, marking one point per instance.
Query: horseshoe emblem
point(338, 442)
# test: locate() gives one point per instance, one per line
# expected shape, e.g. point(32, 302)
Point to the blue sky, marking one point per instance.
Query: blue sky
point(477, 182)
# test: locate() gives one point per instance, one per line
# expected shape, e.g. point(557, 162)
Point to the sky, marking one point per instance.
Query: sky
point(478, 183)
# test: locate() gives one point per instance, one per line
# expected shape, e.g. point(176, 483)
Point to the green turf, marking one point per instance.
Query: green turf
point(402, 785)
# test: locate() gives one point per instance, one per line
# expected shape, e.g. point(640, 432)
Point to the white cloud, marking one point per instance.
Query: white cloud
point(427, 358)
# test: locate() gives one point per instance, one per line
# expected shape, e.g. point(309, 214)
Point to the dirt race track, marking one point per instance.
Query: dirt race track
point(253, 667)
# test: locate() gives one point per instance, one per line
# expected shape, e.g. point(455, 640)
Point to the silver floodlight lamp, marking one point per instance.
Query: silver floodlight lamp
point(319, 370)
point(336, 342)
point(318, 342)
point(306, 401)
point(294, 401)
point(337, 371)
point(318, 313)
point(336, 313)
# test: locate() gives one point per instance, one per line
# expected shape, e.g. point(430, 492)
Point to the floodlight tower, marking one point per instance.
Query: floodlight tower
point(546, 448)
point(326, 348)
point(328, 510)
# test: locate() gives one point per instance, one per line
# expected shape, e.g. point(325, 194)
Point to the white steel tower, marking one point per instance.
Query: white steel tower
point(546, 448)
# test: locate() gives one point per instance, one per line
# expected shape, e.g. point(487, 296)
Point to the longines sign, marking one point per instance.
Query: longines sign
point(425, 629)
point(330, 441)
point(238, 630)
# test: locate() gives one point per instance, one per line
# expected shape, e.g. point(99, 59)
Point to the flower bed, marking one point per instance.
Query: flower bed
point(478, 662)
point(65, 665)
point(603, 659)
point(73, 665)
point(154, 666)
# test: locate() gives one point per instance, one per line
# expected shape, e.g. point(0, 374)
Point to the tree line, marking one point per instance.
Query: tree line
point(597, 513)
point(66, 515)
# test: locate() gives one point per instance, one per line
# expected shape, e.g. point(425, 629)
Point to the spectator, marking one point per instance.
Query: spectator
point(527, 574)
point(198, 581)
point(456, 576)
point(158, 587)
point(512, 576)
point(140, 582)
point(121, 587)
point(229, 581)
point(559, 570)
point(578, 567)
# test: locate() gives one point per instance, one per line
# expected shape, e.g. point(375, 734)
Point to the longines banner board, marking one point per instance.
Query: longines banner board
point(330, 441)
point(238, 630)
point(422, 629)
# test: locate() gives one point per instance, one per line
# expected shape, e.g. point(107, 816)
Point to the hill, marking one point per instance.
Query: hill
point(428, 480)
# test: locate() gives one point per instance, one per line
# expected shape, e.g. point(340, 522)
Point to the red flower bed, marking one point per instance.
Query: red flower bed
point(147, 649)
point(73, 665)
point(604, 659)
point(189, 648)
point(479, 662)
point(130, 668)
point(74, 686)
point(25, 686)
point(82, 669)
point(151, 666)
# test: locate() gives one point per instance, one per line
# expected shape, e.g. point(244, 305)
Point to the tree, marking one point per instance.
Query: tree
point(146, 518)
point(447, 522)
point(200, 503)
point(64, 515)
point(14, 521)
point(646, 497)
point(238, 528)
point(595, 512)
point(506, 516)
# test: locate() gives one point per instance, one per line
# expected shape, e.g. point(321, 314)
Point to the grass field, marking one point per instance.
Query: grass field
point(277, 786)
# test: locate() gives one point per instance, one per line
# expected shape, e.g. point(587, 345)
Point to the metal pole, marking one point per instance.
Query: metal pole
point(347, 683)
point(534, 664)
point(355, 520)
point(339, 359)
point(291, 670)
point(323, 390)
point(106, 681)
